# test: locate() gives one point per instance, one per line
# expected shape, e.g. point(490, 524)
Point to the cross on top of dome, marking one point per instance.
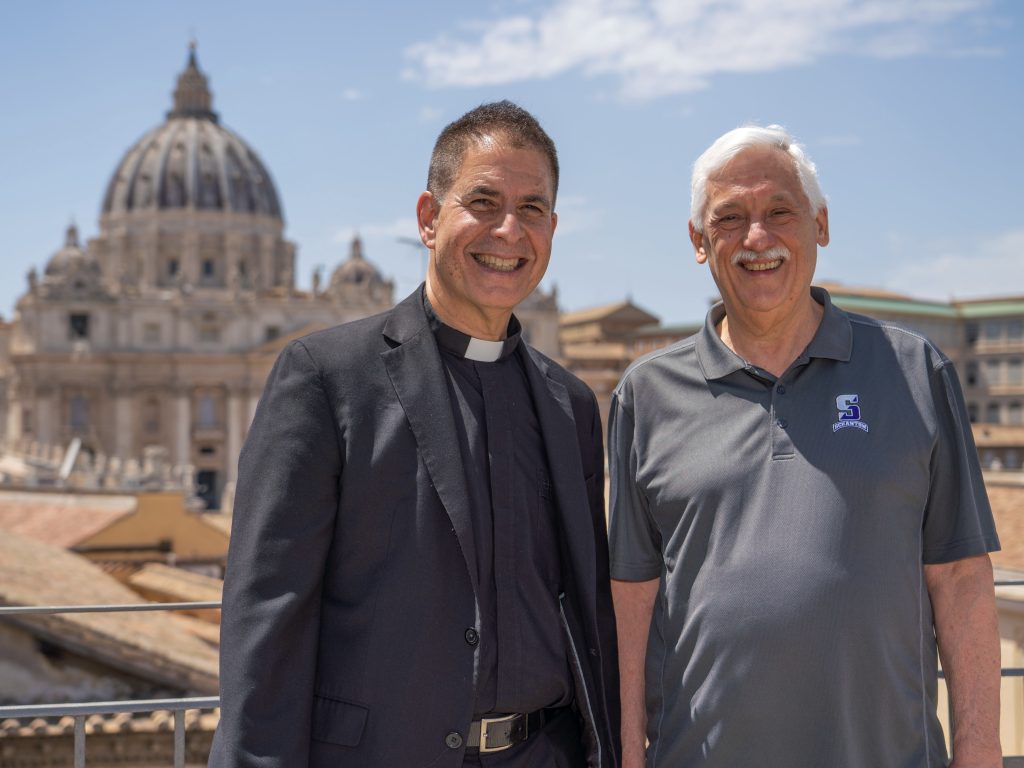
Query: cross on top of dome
point(192, 97)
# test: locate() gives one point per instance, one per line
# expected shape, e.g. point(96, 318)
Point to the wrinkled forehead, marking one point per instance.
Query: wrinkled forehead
point(756, 164)
point(500, 157)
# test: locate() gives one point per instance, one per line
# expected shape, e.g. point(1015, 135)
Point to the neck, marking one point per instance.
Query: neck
point(771, 342)
point(478, 322)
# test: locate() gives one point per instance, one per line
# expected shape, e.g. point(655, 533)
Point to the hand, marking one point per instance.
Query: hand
point(987, 759)
point(637, 759)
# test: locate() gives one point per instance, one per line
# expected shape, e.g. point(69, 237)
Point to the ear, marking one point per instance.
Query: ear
point(697, 239)
point(427, 210)
point(822, 222)
point(554, 222)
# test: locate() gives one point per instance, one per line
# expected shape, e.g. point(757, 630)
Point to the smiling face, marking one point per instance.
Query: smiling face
point(760, 238)
point(490, 237)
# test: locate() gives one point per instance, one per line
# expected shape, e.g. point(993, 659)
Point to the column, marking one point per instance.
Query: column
point(183, 426)
point(124, 428)
point(45, 415)
point(234, 446)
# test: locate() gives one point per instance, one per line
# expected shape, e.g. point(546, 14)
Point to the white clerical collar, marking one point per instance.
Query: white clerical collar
point(483, 351)
point(461, 344)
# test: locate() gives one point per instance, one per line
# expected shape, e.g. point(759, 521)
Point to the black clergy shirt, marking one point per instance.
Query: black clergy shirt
point(521, 661)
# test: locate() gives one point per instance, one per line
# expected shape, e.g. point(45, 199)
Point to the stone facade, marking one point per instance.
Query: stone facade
point(983, 337)
point(161, 330)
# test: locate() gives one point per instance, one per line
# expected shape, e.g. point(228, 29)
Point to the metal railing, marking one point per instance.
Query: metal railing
point(179, 706)
point(84, 710)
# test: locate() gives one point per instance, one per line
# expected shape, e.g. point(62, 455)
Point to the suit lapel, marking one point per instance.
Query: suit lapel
point(561, 442)
point(418, 376)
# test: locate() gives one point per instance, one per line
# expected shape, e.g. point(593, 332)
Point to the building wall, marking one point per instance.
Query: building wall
point(985, 340)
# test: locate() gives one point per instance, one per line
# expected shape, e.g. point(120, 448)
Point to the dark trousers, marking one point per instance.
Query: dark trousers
point(557, 745)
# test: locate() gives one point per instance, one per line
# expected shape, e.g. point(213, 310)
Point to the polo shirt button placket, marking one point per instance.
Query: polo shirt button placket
point(782, 443)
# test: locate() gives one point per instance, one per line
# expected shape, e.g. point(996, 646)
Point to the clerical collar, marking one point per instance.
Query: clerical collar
point(463, 345)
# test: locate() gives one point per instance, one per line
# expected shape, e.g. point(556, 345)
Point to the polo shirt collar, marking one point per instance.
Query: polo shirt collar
point(463, 345)
point(833, 340)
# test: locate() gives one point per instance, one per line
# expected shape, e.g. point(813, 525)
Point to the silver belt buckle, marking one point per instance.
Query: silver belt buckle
point(485, 723)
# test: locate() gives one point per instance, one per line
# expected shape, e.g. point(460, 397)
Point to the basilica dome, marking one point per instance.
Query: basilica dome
point(356, 270)
point(191, 161)
point(72, 271)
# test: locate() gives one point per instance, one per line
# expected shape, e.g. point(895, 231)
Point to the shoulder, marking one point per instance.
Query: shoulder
point(912, 349)
point(348, 341)
point(677, 357)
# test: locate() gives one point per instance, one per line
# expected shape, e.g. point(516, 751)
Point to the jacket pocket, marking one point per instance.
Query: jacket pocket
point(338, 722)
point(591, 739)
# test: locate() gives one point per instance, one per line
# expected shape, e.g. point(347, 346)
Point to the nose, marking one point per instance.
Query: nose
point(758, 238)
point(508, 227)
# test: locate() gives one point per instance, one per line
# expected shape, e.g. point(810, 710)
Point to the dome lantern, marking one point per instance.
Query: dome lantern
point(192, 97)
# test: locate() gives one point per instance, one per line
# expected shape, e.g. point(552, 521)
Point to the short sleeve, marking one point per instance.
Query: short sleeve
point(633, 539)
point(958, 519)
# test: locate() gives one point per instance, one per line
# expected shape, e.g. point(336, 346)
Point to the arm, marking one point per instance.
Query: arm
point(634, 606)
point(963, 605)
point(283, 521)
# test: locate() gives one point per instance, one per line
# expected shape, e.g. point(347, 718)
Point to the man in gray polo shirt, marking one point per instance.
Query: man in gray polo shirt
point(797, 512)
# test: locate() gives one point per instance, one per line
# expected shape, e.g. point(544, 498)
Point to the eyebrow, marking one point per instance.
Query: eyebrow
point(484, 189)
point(543, 200)
point(778, 197)
point(481, 189)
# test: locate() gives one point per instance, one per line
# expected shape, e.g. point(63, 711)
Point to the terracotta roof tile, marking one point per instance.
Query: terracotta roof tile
point(61, 519)
point(154, 645)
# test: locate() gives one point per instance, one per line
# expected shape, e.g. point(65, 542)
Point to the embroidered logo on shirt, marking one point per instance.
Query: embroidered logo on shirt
point(849, 413)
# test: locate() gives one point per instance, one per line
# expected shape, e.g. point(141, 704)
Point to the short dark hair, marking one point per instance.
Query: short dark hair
point(499, 119)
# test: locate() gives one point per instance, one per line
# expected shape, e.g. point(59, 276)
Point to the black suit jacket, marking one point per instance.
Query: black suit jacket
point(351, 582)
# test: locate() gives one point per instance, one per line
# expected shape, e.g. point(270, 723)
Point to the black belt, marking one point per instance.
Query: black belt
point(494, 734)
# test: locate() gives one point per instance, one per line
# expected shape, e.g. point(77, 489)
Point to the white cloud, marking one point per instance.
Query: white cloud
point(429, 114)
point(659, 47)
point(403, 227)
point(352, 94)
point(575, 214)
point(991, 267)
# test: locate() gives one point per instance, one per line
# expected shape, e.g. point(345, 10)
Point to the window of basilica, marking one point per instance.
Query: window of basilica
point(78, 325)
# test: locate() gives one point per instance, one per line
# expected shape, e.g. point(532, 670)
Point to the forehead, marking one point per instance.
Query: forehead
point(495, 161)
point(758, 170)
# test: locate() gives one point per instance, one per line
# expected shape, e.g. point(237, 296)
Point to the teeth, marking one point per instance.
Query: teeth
point(761, 266)
point(494, 262)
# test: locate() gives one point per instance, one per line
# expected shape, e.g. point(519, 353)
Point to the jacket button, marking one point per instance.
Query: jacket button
point(472, 636)
point(453, 740)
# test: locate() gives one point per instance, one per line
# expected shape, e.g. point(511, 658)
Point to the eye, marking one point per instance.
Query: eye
point(480, 203)
point(728, 221)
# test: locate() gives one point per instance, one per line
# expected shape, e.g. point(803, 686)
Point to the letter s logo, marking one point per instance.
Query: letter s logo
point(848, 408)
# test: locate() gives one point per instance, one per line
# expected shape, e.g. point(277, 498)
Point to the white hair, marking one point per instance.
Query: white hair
point(729, 145)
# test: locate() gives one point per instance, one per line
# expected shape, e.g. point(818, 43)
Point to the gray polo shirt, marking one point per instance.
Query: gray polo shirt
point(788, 520)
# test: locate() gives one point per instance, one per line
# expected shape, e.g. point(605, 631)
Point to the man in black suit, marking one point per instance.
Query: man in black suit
point(418, 572)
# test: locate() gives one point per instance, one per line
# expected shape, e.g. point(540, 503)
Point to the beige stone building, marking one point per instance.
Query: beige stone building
point(985, 339)
point(161, 330)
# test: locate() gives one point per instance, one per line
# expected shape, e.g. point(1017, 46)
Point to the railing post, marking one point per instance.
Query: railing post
point(80, 741)
point(179, 738)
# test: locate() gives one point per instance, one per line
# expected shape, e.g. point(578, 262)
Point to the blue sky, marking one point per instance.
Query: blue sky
point(913, 110)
